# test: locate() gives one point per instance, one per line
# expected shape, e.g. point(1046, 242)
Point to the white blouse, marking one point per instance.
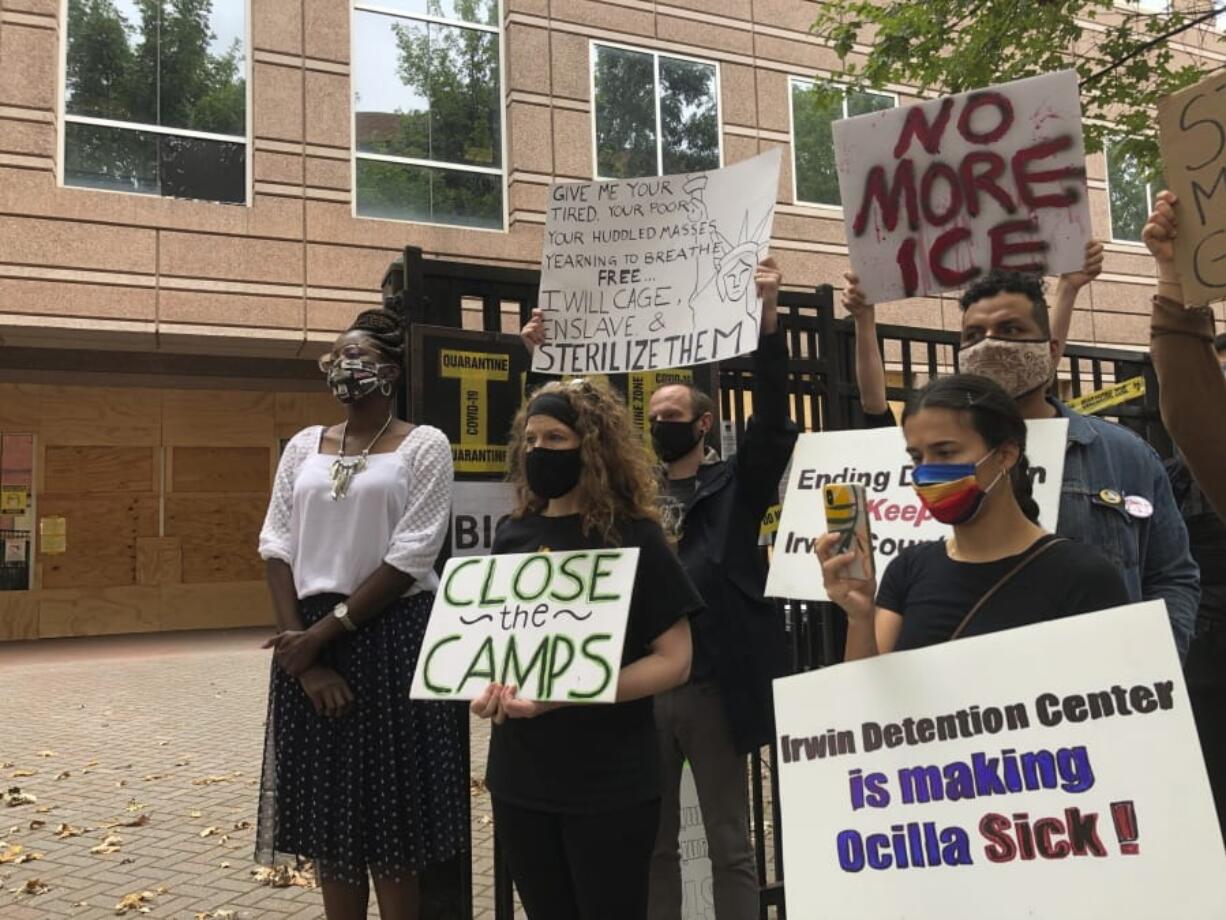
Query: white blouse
point(396, 511)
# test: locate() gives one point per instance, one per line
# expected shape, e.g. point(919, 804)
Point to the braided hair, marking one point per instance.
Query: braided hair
point(995, 417)
point(385, 329)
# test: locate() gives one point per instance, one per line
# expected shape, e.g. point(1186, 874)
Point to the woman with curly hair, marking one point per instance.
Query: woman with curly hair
point(576, 788)
point(357, 777)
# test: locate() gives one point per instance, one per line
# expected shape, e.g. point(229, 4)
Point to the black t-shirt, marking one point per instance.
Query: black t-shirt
point(586, 759)
point(933, 592)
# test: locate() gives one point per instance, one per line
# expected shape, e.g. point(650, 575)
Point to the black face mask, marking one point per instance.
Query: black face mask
point(673, 440)
point(552, 473)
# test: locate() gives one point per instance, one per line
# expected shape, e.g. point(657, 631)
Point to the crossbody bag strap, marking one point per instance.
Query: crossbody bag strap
point(1008, 576)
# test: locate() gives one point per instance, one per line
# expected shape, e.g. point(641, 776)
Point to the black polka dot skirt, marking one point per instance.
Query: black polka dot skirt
point(382, 789)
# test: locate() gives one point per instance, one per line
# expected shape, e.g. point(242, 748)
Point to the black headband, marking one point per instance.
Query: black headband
point(556, 406)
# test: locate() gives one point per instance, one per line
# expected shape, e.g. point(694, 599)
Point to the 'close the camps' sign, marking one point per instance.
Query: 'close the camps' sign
point(655, 273)
point(552, 624)
point(1193, 126)
point(936, 194)
point(1051, 771)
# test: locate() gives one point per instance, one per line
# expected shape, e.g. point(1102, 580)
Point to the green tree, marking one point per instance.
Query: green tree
point(625, 113)
point(1125, 59)
point(689, 119)
point(455, 74)
point(160, 71)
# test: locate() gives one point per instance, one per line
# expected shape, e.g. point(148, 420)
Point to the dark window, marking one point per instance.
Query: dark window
point(156, 97)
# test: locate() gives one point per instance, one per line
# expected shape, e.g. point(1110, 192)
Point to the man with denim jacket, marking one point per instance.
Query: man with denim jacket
point(1116, 495)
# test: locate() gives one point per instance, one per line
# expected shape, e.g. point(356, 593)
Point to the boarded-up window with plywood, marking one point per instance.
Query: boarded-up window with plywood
point(108, 496)
point(215, 503)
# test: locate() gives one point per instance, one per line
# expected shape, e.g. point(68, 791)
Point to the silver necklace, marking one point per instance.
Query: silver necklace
point(344, 468)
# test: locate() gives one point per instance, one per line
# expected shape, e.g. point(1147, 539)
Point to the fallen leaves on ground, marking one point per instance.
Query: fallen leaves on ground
point(22, 774)
point(15, 797)
point(214, 780)
point(135, 806)
point(217, 915)
point(196, 814)
point(284, 876)
point(16, 854)
point(137, 901)
point(140, 821)
point(46, 753)
point(45, 810)
point(110, 844)
point(210, 831)
point(242, 825)
point(37, 825)
point(64, 831)
point(477, 787)
point(64, 775)
point(34, 887)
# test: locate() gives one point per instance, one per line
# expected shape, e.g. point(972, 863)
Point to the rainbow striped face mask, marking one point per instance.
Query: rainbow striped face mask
point(949, 491)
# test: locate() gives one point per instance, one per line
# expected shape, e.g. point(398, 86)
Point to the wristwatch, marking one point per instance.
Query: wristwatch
point(341, 612)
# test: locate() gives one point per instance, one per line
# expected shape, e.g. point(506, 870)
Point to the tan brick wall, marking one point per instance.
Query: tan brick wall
point(295, 265)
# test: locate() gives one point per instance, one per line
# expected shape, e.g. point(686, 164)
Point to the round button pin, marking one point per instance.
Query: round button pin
point(1138, 506)
point(1110, 496)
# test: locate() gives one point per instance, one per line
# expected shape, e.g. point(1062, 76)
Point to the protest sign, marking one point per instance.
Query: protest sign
point(697, 892)
point(938, 193)
point(962, 781)
point(654, 273)
point(477, 508)
point(552, 624)
point(877, 459)
point(1192, 126)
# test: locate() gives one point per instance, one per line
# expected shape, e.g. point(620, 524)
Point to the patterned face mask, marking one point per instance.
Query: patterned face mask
point(351, 379)
point(1020, 366)
point(950, 491)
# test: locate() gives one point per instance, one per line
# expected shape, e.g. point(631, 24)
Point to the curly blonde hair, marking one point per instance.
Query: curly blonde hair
point(617, 479)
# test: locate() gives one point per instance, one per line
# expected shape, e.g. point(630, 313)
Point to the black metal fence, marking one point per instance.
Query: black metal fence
point(823, 396)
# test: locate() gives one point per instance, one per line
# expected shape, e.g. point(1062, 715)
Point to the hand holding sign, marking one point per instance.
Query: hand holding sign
point(1160, 232)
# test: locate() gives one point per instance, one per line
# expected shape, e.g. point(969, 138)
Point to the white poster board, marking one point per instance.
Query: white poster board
point(962, 781)
point(937, 193)
point(655, 273)
point(552, 624)
point(877, 459)
point(477, 508)
point(697, 892)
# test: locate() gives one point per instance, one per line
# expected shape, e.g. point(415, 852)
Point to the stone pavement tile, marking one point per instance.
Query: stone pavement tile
point(150, 727)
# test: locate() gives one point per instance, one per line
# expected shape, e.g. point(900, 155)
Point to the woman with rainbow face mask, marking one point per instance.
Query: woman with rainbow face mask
point(967, 440)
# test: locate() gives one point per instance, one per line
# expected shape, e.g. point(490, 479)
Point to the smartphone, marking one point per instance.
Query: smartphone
point(847, 515)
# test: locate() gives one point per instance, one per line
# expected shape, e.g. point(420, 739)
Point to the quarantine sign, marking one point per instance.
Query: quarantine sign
point(936, 194)
point(552, 624)
point(469, 385)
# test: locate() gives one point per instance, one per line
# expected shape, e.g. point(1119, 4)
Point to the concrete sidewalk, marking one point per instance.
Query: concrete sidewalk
point(156, 741)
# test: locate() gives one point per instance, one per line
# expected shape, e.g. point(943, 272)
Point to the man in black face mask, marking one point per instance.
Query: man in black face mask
point(725, 711)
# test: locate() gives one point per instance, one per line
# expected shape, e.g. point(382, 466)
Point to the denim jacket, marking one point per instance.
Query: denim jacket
point(1151, 552)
